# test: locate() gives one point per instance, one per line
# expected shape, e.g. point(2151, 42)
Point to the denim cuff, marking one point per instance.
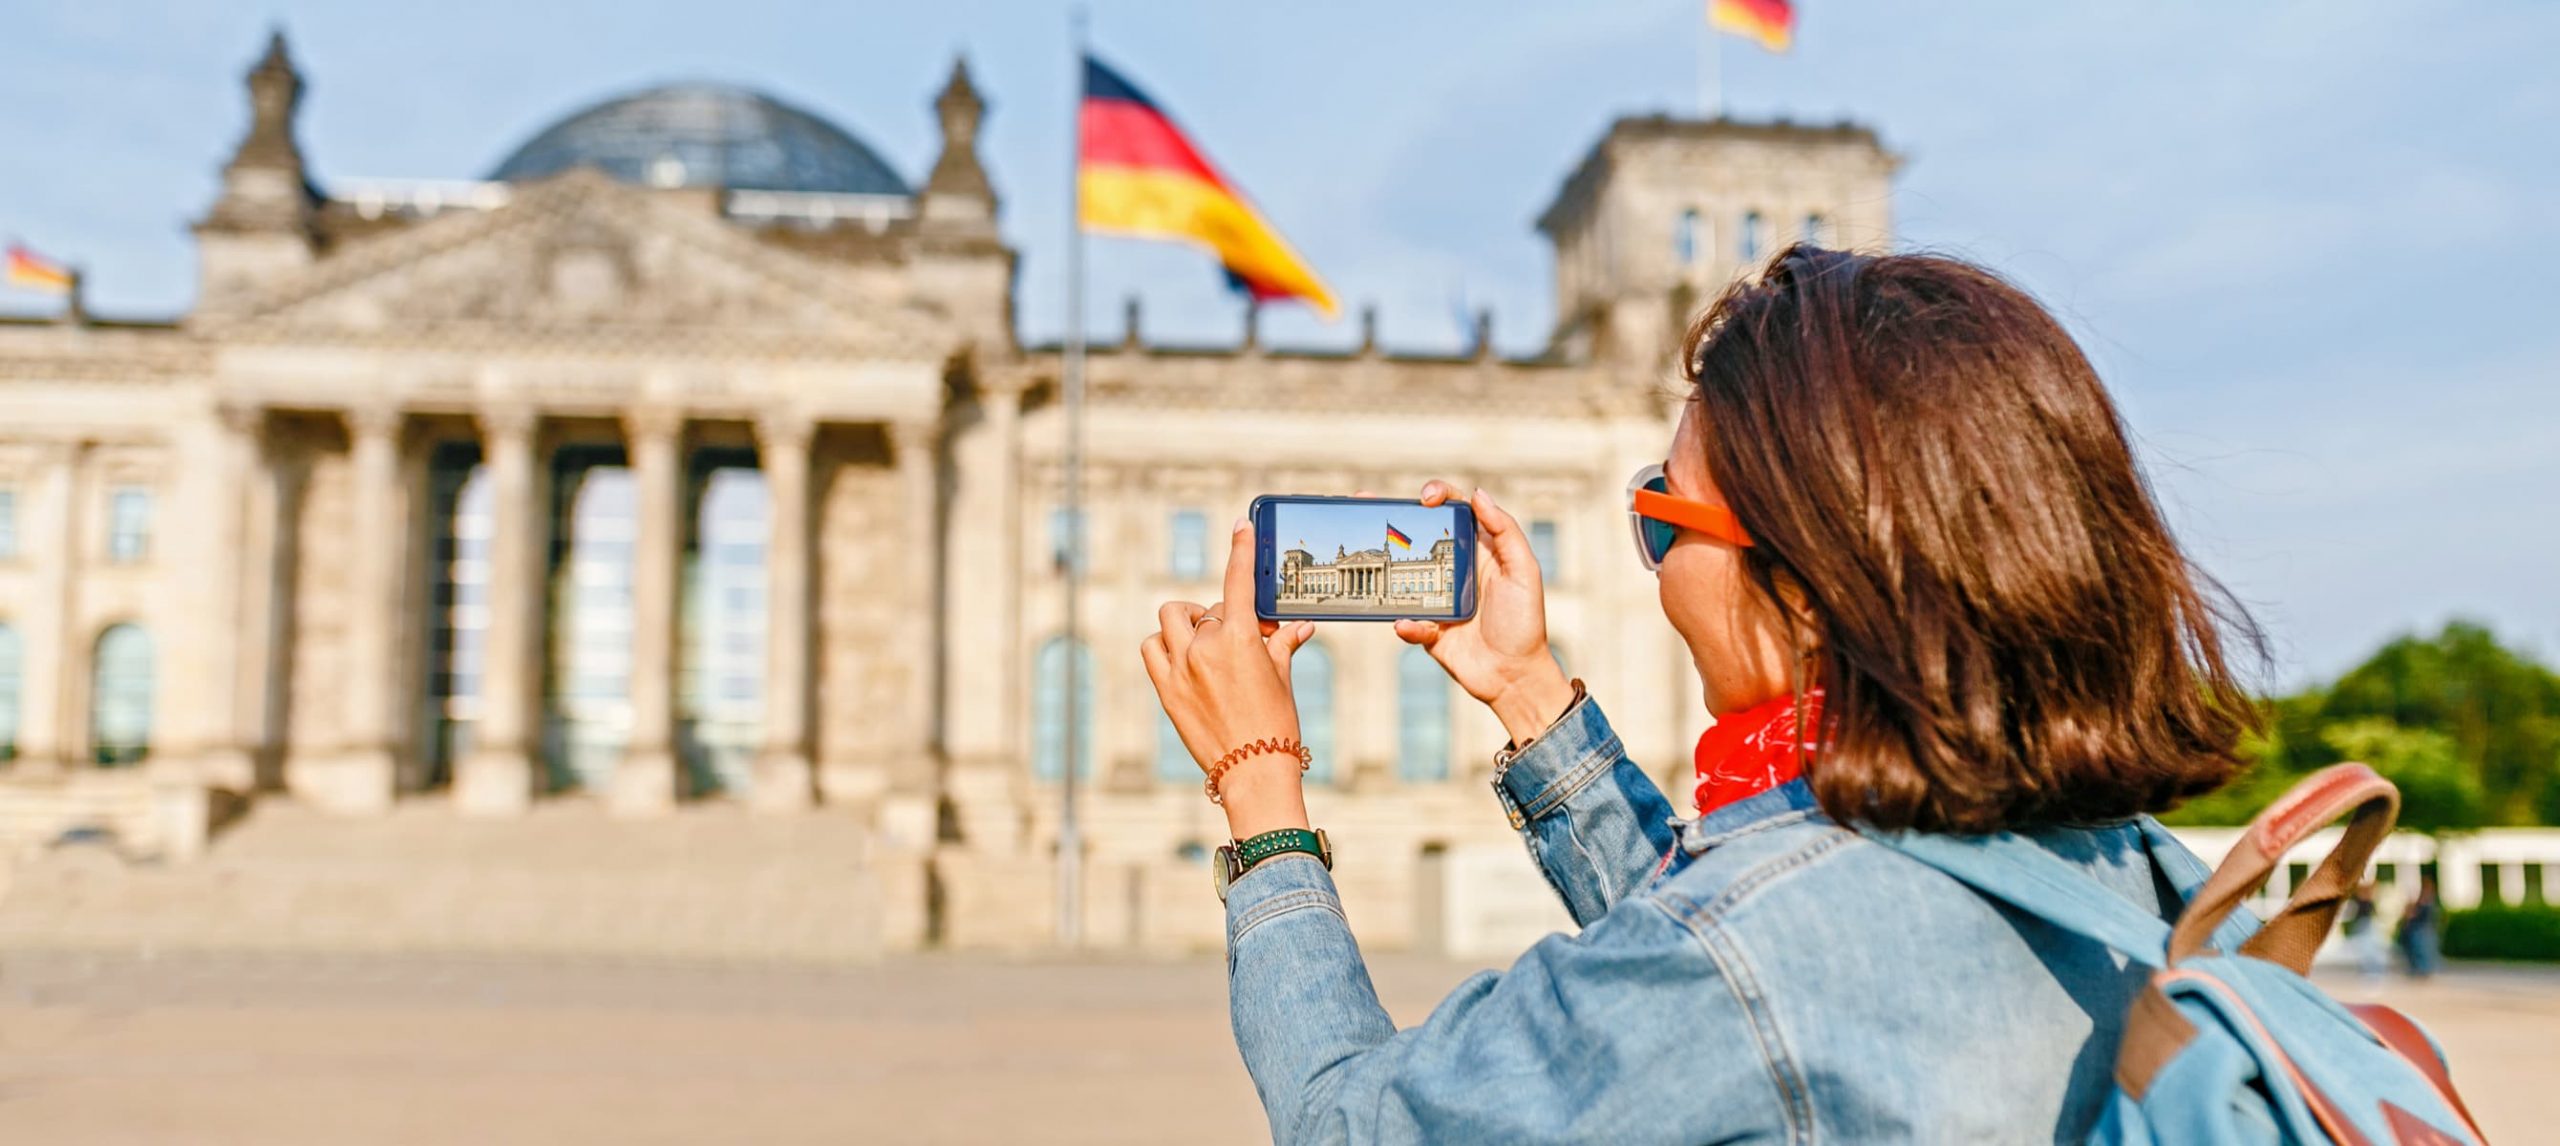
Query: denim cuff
point(1292, 881)
point(1580, 748)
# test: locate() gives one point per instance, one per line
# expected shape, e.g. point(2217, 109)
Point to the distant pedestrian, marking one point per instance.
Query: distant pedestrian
point(2360, 921)
point(2420, 935)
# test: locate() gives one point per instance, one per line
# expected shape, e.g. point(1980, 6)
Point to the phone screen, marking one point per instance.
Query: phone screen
point(1341, 558)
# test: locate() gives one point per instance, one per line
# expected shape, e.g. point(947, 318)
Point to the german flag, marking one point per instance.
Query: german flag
point(1771, 22)
point(1138, 175)
point(1397, 538)
point(36, 272)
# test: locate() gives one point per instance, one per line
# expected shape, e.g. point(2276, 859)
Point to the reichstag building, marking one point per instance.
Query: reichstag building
point(692, 455)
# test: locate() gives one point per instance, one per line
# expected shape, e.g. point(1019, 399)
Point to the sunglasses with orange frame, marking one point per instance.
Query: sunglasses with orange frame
point(1658, 516)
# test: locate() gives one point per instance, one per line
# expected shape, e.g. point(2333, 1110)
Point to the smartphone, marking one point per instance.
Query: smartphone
point(1363, 559)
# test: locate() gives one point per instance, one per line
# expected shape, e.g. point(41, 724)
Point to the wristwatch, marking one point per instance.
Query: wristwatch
point(1236, 858)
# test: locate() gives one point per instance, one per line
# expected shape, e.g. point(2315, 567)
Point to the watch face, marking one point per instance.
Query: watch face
point(1222, 870)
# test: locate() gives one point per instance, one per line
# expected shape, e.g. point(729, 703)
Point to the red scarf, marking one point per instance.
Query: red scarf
point(1751, 752)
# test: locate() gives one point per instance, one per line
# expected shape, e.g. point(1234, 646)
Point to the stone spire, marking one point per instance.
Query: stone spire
point(958, 195)
point(265, 186)
point(266, 221)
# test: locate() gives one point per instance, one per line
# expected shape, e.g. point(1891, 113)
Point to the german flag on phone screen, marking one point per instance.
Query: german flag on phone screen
point(1397, 538)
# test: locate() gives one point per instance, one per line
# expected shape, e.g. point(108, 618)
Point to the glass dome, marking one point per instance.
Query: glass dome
point(706, 135)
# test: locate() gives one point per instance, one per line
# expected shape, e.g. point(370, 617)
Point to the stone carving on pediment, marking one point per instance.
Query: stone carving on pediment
point(580, 255)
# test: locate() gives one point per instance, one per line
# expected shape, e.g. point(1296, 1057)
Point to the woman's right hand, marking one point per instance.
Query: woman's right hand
point(1500, 655)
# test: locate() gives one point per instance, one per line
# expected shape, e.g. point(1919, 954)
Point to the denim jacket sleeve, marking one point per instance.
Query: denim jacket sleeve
point(1595, 823)
point(1587, 1038)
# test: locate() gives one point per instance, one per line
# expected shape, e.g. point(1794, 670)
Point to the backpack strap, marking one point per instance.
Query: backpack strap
point(2295, 934)
point(2017, 871)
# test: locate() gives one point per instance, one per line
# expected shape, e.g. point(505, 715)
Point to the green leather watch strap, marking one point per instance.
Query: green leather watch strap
point(1262, 847)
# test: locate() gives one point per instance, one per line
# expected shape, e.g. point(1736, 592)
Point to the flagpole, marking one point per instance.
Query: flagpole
point(1070, 838)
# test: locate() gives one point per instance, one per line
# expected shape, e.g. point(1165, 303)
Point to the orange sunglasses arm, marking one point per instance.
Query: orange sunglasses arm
point(1713, 520)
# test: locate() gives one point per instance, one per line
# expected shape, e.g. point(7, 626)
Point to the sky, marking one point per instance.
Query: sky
point(1324, 529)
point(2309, 243)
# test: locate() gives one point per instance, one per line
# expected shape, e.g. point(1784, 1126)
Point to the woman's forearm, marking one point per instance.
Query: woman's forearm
point(1597, 825)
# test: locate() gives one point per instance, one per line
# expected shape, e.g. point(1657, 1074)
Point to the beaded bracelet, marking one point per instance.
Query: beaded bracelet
point(1284, 745)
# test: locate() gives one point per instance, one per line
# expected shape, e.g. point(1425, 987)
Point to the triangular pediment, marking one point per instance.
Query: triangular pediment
point(582, 257)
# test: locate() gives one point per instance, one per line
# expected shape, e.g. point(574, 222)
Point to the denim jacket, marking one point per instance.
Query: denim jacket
point(1759, 974)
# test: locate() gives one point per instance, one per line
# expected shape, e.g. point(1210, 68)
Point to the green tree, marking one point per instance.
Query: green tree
point(2439, 793)
point(2468, 729)
point(2500, 709)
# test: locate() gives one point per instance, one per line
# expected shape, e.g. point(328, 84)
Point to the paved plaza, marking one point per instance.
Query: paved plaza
point(224, 1048)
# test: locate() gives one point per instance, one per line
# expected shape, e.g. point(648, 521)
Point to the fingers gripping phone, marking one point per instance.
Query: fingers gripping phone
point(1363, 559)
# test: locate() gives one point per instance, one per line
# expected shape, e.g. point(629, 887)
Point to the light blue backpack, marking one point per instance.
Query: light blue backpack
point(2236, 1045)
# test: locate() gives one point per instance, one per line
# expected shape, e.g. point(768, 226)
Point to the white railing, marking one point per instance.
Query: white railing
point(418, 198)
point(426, 198)
point(817, 211)
point(2463, 863)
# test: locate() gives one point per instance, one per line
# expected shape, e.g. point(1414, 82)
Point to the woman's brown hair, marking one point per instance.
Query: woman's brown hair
point(2007, 636)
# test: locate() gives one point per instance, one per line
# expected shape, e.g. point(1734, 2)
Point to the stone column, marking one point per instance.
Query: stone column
point(266, 618)
point(784, 779)
point(232, 567)
point(496, 776)
point(907, 814)
point(645, 783)
point(983, 675)
point(359, 778)
point(48, 729)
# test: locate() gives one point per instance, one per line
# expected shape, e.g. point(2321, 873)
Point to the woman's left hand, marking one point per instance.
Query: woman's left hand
point(1223, 676)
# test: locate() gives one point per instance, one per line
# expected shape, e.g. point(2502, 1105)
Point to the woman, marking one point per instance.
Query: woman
point(1903, 535)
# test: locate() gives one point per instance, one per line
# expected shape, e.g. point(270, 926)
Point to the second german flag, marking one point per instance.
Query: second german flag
point(1772, 22)
point(1138, 175)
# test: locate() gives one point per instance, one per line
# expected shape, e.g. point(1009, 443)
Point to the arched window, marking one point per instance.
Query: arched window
point(1817, 230)
point(120, 696)
point(1755, 237)
point(1422, 718)
point(1311, 679)
point(1684, 239)
point(1173, 761)
point(11, 674)
point(1049, 711)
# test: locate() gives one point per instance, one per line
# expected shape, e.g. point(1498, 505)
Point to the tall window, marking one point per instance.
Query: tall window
point(12, 676)
point(592, 653)
point(1542, 541)
point(1684, 239)
point(721, 688)
point(120, 696)
point(1189, 541)
point(1422, 718)
point(457, 646)
point(1311, 679)
point(128, 525)
point(1049, 711)
point(1817, 230)
point(1066, 540)
point(1173, 761)
point(8, 523)
point(1755, 236)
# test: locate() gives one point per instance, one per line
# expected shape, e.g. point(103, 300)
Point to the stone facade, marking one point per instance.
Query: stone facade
point(302, 584)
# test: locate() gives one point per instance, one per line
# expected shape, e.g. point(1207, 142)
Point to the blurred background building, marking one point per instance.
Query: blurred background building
point(692, 458)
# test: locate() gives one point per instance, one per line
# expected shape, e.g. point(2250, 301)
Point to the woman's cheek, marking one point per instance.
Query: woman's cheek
point(1689, 603)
